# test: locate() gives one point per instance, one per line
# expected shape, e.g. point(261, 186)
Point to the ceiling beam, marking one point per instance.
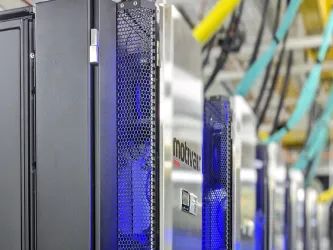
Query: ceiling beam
point(238, 75)
point(293, 43)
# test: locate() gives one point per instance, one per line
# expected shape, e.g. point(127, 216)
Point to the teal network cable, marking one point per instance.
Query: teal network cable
point(314, 166)
point(261, 63)
point(310, 87)
point(323, 121)
point(308, 155)
point(318, 135)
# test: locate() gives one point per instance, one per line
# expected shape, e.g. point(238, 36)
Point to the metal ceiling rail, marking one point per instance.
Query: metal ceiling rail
point(295, 70)
point(293, 43)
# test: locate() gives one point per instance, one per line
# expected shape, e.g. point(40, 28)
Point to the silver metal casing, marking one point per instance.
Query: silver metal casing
point(311, 212)
point(277, 182)
point(296, 216)
point(244, 173)
point(181, 124)
point(324, 216)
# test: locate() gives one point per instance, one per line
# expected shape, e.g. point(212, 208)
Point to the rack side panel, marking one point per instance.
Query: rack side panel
point(10, 140)
point(105, 129)
point(63, 125)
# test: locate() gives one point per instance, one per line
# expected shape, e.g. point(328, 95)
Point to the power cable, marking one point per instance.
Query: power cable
point(260, 32)
point(209, 48)
point(227, 88)
point(186, 17)
point(273, 85)
point(284, 91)
point(226, 45)
point(269, 67)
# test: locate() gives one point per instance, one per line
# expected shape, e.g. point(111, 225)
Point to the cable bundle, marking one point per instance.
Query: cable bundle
point(316, 142)
point(269, 66)
point(283, 92)
point(310, 88)
point(256, 69)
point(226, 45)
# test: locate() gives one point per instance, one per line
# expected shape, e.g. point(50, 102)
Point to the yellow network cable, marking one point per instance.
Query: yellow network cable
point(213, 21)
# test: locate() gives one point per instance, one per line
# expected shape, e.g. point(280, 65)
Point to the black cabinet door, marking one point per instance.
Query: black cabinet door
point(64, 126)
point(16, 131)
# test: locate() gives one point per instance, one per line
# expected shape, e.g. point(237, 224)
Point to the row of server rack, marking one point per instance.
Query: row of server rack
point(107, 141)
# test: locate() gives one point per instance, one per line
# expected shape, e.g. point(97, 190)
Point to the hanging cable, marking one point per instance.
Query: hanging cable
point(273, 85)
point(314, 166)
point(318, 135)
point(226, 46)
point(283, 92)
point(313, 116)
point(269, 67)
point(209, 48)
point(261, 63)
point(262, 115)
point(260, 32)
point(310, 87)
point(186, 17)
point(214, 20)
point(227, 88)
point(206, 45)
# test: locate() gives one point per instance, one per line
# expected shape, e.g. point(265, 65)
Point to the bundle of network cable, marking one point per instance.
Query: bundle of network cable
point(258, 67)
point(316, 142)
point(310, 87)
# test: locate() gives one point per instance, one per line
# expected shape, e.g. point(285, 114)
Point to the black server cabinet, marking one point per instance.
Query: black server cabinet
point(17, 130)
point(85, 153)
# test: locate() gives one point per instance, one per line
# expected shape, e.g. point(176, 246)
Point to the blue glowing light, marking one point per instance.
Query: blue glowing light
point(216, 187)
point(135, 118)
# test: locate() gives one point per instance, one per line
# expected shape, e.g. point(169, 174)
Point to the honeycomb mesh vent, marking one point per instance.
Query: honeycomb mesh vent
point(136, 128)
point(217, 172)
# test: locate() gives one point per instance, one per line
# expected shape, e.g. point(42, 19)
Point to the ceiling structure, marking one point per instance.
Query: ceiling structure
point(298, 41)
point(9, 4)
point(237, 63)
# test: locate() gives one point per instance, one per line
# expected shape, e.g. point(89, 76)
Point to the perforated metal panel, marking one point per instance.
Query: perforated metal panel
point(217, 173)
point(136, 126)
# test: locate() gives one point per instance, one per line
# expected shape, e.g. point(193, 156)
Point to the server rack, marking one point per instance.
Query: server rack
point(295, 196)
point(91, 163)
point(181, 124)
point(17, 110)
point(262, 219)
point(311, 241)
point(244, 173)
point(278, 184)
point(217, 173)
point(325, 220)
point(112, 128)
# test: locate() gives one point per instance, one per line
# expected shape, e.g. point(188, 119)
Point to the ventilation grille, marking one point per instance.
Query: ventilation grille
point(217, 172)
point(136, 127)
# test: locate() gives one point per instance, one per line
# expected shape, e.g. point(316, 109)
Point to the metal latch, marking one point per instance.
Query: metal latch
point(94, 46)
